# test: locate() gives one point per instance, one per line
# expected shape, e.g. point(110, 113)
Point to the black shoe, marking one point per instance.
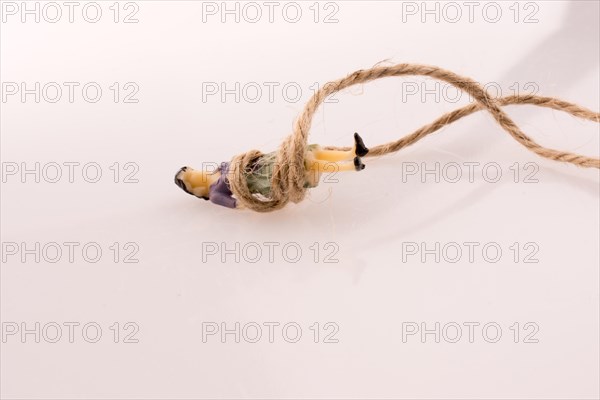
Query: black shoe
point(358, 164)
point(361, 149)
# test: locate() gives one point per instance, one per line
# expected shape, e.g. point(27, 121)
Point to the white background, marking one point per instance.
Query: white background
point(367, 221)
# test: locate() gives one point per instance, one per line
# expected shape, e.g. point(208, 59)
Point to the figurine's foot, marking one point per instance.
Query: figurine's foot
point(358, 164)
point(360, 149)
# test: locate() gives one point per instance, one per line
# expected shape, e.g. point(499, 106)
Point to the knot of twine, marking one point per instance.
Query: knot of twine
point(288, 178)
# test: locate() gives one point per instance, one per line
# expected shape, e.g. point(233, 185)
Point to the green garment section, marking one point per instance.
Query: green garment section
point(259, 179)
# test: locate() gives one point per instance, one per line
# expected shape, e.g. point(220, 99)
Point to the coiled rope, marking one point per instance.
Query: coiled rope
point(288, 179)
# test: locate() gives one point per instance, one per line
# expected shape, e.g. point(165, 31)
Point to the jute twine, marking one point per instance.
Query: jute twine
point(288, 178)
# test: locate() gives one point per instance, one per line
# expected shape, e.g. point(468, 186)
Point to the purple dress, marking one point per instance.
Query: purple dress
point(219, 192)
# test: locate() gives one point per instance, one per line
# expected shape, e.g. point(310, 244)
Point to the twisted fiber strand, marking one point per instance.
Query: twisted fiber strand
point(289, 170)
point(455, 115)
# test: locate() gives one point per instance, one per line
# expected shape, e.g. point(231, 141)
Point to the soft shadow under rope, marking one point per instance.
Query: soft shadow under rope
point(288, 173)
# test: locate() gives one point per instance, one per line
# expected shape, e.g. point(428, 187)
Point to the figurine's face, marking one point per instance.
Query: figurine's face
point(193, 182)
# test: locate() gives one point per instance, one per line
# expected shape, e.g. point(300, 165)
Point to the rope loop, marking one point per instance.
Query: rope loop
point(288, 179)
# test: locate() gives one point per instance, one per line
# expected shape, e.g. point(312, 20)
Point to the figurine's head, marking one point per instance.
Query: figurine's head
point(192, 182)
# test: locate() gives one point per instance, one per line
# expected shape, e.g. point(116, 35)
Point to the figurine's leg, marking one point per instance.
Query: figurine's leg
point(358, 150)
point(333, 156)
point(321, 166)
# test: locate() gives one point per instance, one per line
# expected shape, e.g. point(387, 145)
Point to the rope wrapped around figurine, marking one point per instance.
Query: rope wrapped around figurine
point(288, 173)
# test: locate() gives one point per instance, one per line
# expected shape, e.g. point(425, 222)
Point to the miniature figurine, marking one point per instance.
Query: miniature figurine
point(214, 186)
